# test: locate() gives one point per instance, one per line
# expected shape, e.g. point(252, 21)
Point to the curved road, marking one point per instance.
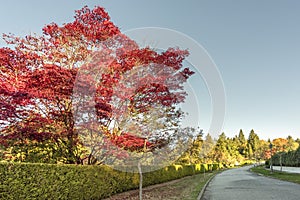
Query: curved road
point(242, 184)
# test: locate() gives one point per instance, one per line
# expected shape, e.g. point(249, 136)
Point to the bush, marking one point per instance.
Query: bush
point(41, 181)
point(47, 181)
point(291, 158)
point(267, 163)
point(204, 167)
point(216, 166)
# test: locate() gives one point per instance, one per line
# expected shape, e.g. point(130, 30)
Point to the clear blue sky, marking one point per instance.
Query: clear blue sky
point(255, 44)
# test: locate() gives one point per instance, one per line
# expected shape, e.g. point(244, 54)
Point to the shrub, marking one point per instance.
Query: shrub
point(267, 163)
point(291, 158)
point(50, 181)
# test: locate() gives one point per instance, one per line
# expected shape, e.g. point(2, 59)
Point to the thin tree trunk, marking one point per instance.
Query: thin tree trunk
point(280, 163)
point(141, 181)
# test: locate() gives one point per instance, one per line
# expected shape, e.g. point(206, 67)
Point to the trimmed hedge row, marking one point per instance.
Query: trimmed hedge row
point(46, 181)
point(291, 158)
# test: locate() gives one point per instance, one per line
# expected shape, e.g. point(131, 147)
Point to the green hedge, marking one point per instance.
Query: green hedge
point(46, 181)
point(291, 158)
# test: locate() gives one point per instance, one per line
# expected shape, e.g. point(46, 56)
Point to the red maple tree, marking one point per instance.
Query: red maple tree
point(37, 80)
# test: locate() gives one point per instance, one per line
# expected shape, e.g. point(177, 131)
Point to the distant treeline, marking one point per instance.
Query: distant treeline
point(239, 150)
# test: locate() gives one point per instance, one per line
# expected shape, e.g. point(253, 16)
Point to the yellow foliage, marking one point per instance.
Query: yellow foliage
point(197, 167)
point(177, 167)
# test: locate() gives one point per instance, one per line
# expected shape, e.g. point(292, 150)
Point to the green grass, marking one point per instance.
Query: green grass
point(191, 186)
point(291, 177)
point(187, 188)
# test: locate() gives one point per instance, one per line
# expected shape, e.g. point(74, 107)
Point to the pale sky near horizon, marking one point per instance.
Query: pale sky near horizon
point(255, 45)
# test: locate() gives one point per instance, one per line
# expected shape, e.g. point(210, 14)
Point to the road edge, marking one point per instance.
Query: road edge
point(274, 178)
point(205, 186)
point(209, 180)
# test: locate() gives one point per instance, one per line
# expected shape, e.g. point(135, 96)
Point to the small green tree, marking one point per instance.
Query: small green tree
point(292, 145)
point(192, 154)
point(253, 145)
point(207, 149)
point(220, 151)
point(242, 142)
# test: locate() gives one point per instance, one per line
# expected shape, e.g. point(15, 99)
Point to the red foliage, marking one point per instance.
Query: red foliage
point(94, 25)
point(37, 79)
point(130, 142)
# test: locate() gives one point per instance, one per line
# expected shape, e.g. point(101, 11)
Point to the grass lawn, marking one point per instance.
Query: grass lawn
point(292, 177)
point(186, 188)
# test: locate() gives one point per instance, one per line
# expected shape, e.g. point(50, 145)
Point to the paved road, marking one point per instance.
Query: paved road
point(242, 184)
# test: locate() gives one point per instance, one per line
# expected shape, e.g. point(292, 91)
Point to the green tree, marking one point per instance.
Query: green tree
point(232, 149)
point(292, 145)
point(253, 145)
point(220, 152)
point(242, 142)
point(298, 140)
point(192, 154)
point(206, 153)
point(249, 152)
point(263, 148)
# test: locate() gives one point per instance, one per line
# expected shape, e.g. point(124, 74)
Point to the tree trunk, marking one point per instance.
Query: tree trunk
point(280, 162)
point(141, 181)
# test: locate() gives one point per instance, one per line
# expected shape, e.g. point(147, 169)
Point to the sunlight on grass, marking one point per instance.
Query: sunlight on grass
point(187, 188)
point(292, 177)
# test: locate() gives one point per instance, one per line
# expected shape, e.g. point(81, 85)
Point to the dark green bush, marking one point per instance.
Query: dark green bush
point(216, 166)
point(267, 163)
point(291, 158)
